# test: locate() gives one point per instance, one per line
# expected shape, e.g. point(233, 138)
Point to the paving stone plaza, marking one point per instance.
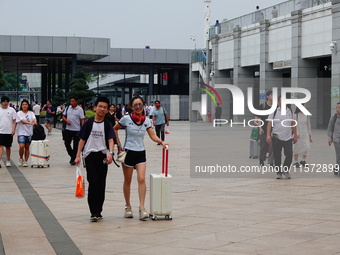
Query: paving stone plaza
point(246, 215)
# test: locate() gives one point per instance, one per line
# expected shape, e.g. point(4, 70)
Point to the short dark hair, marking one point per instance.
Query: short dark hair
point(74, 97)
point(268, 93)
point(4, 98)
point(102, 99)
point(157, 101)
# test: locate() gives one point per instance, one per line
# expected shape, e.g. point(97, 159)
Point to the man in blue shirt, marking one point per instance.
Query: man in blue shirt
point(50, 111)
point(160, 118)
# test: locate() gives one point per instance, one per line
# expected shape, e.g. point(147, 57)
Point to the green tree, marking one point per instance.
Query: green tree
point(59, 98)
point(80, 89)
point(2, 76)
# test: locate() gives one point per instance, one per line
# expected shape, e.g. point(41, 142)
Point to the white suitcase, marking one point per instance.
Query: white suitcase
point(40, 153)
point(161, 191)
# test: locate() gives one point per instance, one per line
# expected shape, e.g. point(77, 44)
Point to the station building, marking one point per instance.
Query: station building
point(50, 62)
point(292, 44)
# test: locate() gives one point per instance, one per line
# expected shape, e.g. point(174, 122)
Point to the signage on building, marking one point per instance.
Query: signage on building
point(335, 91)
point(282, 64)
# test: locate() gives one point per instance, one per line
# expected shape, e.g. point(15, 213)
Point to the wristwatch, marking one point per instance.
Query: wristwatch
point(112, 153)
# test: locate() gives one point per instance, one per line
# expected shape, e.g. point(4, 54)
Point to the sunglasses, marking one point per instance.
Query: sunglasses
point(136, 106)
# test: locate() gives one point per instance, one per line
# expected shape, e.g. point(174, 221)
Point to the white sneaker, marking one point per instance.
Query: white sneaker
point(8, 163)
point(24, 164)
point(143, 215)
point(128, 212)
point(20, 162)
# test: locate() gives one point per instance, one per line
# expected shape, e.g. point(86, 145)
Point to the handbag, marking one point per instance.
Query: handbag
point(255, 134)
point(121, 156)
point(167, 131)
point(80, 184)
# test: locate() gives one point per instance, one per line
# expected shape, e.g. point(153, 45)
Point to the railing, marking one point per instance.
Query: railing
point(199, 56)
point(269, 13)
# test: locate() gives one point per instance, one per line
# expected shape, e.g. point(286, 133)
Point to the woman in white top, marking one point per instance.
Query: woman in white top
point(304, 132)
point(136, 125)
point(25, 119)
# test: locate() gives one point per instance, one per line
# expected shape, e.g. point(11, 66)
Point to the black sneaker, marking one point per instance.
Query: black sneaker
point(303, 163)
point(261, 163)
point(94, 218)
point(297, 165)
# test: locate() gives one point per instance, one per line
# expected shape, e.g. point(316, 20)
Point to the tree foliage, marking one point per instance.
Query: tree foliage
point(2, 78)
point(80, 89)
point(59, 98)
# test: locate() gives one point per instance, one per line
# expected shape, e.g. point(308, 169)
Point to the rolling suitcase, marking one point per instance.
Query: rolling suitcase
point(40, 153)
point(161, 191)
point(254, 149)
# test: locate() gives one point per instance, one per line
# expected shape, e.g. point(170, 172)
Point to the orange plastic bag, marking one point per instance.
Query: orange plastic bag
point(80, 184)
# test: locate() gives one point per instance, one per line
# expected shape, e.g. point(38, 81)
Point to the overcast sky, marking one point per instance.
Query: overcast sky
point(128, 23)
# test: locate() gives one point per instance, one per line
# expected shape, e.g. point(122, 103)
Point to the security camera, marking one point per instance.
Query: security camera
point(332, 46)
point(212, 73)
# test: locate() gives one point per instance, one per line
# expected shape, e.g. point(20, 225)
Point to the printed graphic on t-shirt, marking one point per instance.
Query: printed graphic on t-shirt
point(96, 134)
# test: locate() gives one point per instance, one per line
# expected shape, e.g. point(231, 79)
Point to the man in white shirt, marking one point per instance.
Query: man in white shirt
point(282, 138)
point(36, 110)
point(7, 128)
point(152, 107)
point(74, 118)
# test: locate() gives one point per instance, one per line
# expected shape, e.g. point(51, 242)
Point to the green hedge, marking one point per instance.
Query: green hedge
point(88, 114)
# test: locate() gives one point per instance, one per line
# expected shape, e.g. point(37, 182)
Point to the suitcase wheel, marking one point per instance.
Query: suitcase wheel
point(154, 217)
point(168, 217)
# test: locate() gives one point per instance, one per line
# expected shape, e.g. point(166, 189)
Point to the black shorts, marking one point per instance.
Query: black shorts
point(6, 140)
point(134, 158)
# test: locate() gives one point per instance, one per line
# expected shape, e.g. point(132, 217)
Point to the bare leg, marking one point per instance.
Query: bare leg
point(8, 153)
point(141, 169)
point(1, 149)
point(21, 150)
point(27, 151)
point(296, 157)
point(127, 171)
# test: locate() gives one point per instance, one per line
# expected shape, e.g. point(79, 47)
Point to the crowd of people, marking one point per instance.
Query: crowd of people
point(294, 138)
point(91, 141)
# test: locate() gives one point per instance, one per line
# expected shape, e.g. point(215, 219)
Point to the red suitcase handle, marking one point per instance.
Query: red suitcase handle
point(165, 162)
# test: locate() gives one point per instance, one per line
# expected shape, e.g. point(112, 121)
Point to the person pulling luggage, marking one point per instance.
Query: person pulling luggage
point(136, 125)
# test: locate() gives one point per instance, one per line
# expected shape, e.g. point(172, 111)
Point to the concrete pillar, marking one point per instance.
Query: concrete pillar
point(49, 79)
point(243, 77)
point(67, 77)
point(269, 78)
point(151, 74)
point(303, 71)
point(335, 87)
point(60, 73)
point(54, 67)
point(43, 85)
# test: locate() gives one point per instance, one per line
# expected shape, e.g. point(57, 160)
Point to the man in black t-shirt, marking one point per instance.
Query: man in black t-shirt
point(265, 147)
point(218, 112)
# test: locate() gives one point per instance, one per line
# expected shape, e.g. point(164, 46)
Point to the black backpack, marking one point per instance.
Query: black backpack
point(38, 132)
